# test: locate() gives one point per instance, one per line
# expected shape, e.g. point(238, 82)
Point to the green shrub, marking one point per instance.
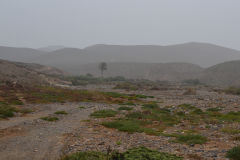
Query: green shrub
point(190, 139)
point(61, 112)
point(142, 153)
point(82, 107)
point(86, 156)
point(50, 119)
point(25, 110)
point(230, 131)
point(104, 113)
point(6, 110)
point(129, 126)
point(216, 109)
point(187, 106)
point(129, 103)
point(234, 153)
point(139, 153)
point(232, 90)
point(125, 108)
point(150, 106)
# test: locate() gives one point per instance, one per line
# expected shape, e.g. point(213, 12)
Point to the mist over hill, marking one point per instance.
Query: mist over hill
point(209, 63)
point(202, 54)
point(151, 71)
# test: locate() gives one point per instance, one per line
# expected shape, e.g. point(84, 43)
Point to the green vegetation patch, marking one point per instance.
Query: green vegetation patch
point(104, 113)
point(86, 156)
point(50, 119)
point(129, 126)
point(82, 107)
point(150, 106)
point(6, 110)
point(230, 131)
point(125, 108)
point(190, 139)
point(139, 153)
point(61, 112)
point(232, 90)
point(234, 153)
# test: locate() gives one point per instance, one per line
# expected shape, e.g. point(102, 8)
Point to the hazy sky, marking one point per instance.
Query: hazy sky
point(79, 23)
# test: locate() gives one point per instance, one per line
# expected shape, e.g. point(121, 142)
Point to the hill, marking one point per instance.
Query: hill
point(224, 74)
point(51, 48)
point(19, 54)
point(30, 74)
point(201, 54)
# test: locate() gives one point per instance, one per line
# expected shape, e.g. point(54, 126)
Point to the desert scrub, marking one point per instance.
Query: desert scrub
point(142, 153)
point(150, 106)
point(230, 131)
point(24, 110)
point(50, 119)
point(82, 107)
point(61, 112)
point(139, 153)
point(125, 108)
point(189, 139)
point(128, 103)
point(234, 153)
point(86, 156)
point(104, 113)
point(129, 126)
point(6, 110)
point(44, 95)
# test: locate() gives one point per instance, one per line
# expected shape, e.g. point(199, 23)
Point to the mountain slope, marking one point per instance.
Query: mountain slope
point(51, 48)
point(19, 54)
point(224, 74)
point(201, 54)
point(31, 74)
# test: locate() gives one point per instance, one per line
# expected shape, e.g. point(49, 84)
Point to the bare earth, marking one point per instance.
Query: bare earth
point(28, 137)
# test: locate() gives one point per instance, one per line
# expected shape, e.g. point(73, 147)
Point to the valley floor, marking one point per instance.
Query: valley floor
point(29, 137)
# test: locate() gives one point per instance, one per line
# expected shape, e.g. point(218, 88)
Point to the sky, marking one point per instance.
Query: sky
point(81, 23)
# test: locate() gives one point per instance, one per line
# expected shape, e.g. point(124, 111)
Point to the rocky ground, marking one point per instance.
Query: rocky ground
point(28, 137)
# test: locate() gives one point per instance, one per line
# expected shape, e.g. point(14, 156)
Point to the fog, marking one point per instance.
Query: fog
point(80, 23)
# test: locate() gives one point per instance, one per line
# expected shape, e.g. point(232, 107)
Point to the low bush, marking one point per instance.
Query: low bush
point(230, 131)
point(139, 153)
point(61, 112)
point(125, 108)
point(6, 110)
point(150, 106)
point(104, 113)
point(190, 139)
point(129, 126)
point(50, 119)
point(234, 153)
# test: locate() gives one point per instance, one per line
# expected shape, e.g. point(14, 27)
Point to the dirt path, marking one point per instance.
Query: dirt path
point(28, 138)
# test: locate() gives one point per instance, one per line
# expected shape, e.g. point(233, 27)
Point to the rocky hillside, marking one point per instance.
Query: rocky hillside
point(30, 74)
point(224, 74)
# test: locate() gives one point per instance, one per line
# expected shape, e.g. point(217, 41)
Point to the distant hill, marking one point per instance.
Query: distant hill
point(30, 74)
point(51, 48)
point(202, 54)
point(173, 62)
point(19, 54)
point(224, 74)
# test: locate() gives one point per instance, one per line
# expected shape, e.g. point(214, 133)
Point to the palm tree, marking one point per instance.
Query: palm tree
point(102, 67)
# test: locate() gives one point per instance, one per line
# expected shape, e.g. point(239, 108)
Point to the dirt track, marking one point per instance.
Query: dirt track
point(28, 137)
